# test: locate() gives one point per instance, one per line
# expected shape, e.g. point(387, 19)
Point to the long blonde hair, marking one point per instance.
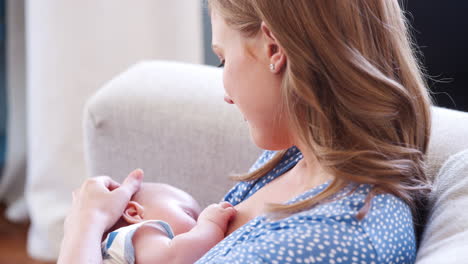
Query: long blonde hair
point(352, 88)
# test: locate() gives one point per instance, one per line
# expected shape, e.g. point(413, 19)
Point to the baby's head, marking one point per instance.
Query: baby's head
point(158, 201)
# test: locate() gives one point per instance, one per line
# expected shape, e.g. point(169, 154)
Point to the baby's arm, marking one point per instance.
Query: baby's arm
point(153, 246)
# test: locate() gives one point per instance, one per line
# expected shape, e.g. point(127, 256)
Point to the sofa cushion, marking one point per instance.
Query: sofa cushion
point(448, 136)
point(445, 238)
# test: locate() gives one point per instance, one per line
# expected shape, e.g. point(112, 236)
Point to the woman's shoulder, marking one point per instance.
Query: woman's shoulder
point(387, 227)
point(386, 213)
point(385, 234)
point(390, 227)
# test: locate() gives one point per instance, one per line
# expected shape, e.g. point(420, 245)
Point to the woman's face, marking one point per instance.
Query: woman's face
point(251, 85)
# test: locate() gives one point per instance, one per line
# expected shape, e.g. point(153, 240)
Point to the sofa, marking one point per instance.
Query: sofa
point(170, 119)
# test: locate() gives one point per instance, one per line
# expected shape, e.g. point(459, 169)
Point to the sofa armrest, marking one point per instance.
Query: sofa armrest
point(445, 237)
point(170, 120)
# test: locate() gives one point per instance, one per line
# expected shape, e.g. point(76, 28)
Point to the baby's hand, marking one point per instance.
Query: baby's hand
point(219, 214)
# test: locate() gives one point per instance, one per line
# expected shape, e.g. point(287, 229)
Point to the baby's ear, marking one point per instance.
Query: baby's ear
point(133, 214)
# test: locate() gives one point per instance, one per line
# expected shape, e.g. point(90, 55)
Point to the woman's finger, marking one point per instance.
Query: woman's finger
point(131, 184)
point(107, 181)
point(112, 185)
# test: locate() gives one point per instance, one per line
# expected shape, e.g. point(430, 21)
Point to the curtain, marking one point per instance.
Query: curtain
point(73, 48)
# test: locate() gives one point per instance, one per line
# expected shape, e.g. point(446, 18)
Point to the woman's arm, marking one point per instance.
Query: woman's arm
point(97, 205)
point(153, 246)
point(81, 244)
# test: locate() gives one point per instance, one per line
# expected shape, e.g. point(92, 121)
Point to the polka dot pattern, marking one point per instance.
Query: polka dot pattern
point(328, 233)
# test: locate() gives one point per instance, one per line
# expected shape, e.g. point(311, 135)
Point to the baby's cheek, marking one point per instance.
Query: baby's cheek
point(187, 224)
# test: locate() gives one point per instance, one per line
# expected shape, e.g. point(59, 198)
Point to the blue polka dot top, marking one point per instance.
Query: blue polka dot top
point(327, 233)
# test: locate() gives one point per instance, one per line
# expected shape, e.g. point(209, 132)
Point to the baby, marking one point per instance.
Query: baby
point(163, 224)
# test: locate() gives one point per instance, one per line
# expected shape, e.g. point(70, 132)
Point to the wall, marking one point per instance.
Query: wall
point(441, 30)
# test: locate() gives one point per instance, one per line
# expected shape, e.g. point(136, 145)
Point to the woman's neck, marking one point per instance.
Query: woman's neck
point(309, 171)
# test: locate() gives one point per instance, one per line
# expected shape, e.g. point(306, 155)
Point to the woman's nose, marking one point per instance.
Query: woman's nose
point(228, 99)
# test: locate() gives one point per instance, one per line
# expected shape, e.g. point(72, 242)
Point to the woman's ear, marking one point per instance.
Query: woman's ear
point(274, 51)
point(133, 213)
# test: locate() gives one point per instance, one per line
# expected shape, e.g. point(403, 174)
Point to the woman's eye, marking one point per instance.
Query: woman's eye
point(221, 65)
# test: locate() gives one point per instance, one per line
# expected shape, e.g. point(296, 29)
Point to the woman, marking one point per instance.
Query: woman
point(333, 90)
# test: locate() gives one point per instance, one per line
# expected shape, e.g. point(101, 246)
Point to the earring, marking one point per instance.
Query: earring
point(272, 67)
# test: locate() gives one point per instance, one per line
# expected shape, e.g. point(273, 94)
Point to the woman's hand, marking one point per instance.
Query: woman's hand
point(100, 201)
point(97, 205)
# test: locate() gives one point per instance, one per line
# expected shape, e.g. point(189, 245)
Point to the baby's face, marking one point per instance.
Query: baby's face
point(167, 203)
